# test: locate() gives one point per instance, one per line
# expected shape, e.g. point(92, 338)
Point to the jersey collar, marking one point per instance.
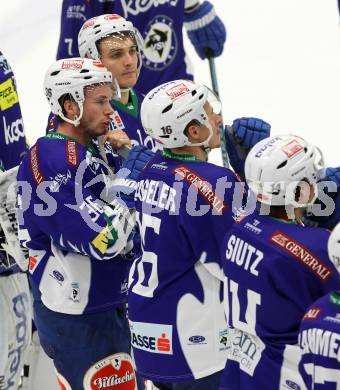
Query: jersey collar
point(335, 298)
point(55, 135)
point(285, 220)
point(131, 107)
point(182, 157)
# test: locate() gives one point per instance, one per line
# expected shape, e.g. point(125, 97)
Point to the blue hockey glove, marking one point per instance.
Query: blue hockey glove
point(125, 181)
point(205, 30)
point(241, 137)
point(137, 159)
point(327, 221)
point(333, 174)
point(249, 131)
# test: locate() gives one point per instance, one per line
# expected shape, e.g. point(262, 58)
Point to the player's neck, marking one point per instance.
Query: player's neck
point(125, 95)
point(74, 132)
point(195, 151)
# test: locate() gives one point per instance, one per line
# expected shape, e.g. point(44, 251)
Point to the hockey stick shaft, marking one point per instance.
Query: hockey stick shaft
point(214, 84)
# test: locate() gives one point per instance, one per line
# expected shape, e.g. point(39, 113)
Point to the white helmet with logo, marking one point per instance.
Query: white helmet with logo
point(71, 76)
point(275, 166)
point(334, 246)
point(99, 27)
point(167, 110)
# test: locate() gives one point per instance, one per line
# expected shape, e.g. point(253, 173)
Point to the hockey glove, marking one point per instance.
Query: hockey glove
point(325, 196)
point(125, 182)
point(205, 30)
point(241, 137)
point(137, 159)
point(333, 174)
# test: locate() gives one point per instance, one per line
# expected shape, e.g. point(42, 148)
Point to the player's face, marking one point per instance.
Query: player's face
point(97, 110)
point(120, 56)
point(215, 120)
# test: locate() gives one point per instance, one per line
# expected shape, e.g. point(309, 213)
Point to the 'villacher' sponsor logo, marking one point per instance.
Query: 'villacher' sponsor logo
point(302, 254)
point(113, 380)
point(113, 372)
point(203, 187)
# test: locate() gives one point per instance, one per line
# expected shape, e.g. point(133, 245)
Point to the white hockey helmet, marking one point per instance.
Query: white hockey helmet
point(167, 109)
point(99, 27)
point(275, 166)
point(334, 246)
point(71, 76)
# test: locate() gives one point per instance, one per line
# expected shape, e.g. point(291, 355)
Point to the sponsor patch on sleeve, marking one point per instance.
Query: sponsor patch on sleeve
point(101, 241)
point(203, 187)
point(34, 164)
point(302, 254)
point(71, 153)
point(8, 95)
point(312, 313)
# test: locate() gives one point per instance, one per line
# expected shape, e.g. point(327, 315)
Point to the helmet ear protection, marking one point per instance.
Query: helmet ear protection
point(168, 109)
point(278, 167)
point(71, 76)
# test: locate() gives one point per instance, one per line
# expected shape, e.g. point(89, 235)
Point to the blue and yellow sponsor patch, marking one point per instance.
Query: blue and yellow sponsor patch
point(8, 95)
point(101, 241)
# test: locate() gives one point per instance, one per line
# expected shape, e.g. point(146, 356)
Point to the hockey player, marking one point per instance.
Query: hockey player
point(15, 305)
point(118, 44)
point(77, 239)
point(274, 268)
point(183, 206)
point(161, 24)
point(319, 336)
point(325, 212)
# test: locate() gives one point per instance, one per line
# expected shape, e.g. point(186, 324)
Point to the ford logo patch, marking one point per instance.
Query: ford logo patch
point(58, 276)
point(196, 339)
point(293, 385)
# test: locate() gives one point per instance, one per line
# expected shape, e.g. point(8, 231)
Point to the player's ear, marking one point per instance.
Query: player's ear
point(193, 132)
point(71, 108)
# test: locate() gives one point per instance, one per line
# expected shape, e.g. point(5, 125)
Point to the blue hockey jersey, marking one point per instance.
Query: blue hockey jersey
point(72, 233)
point(178, 329)
point(159, 22)
point(273, 271)
point(319, 340)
